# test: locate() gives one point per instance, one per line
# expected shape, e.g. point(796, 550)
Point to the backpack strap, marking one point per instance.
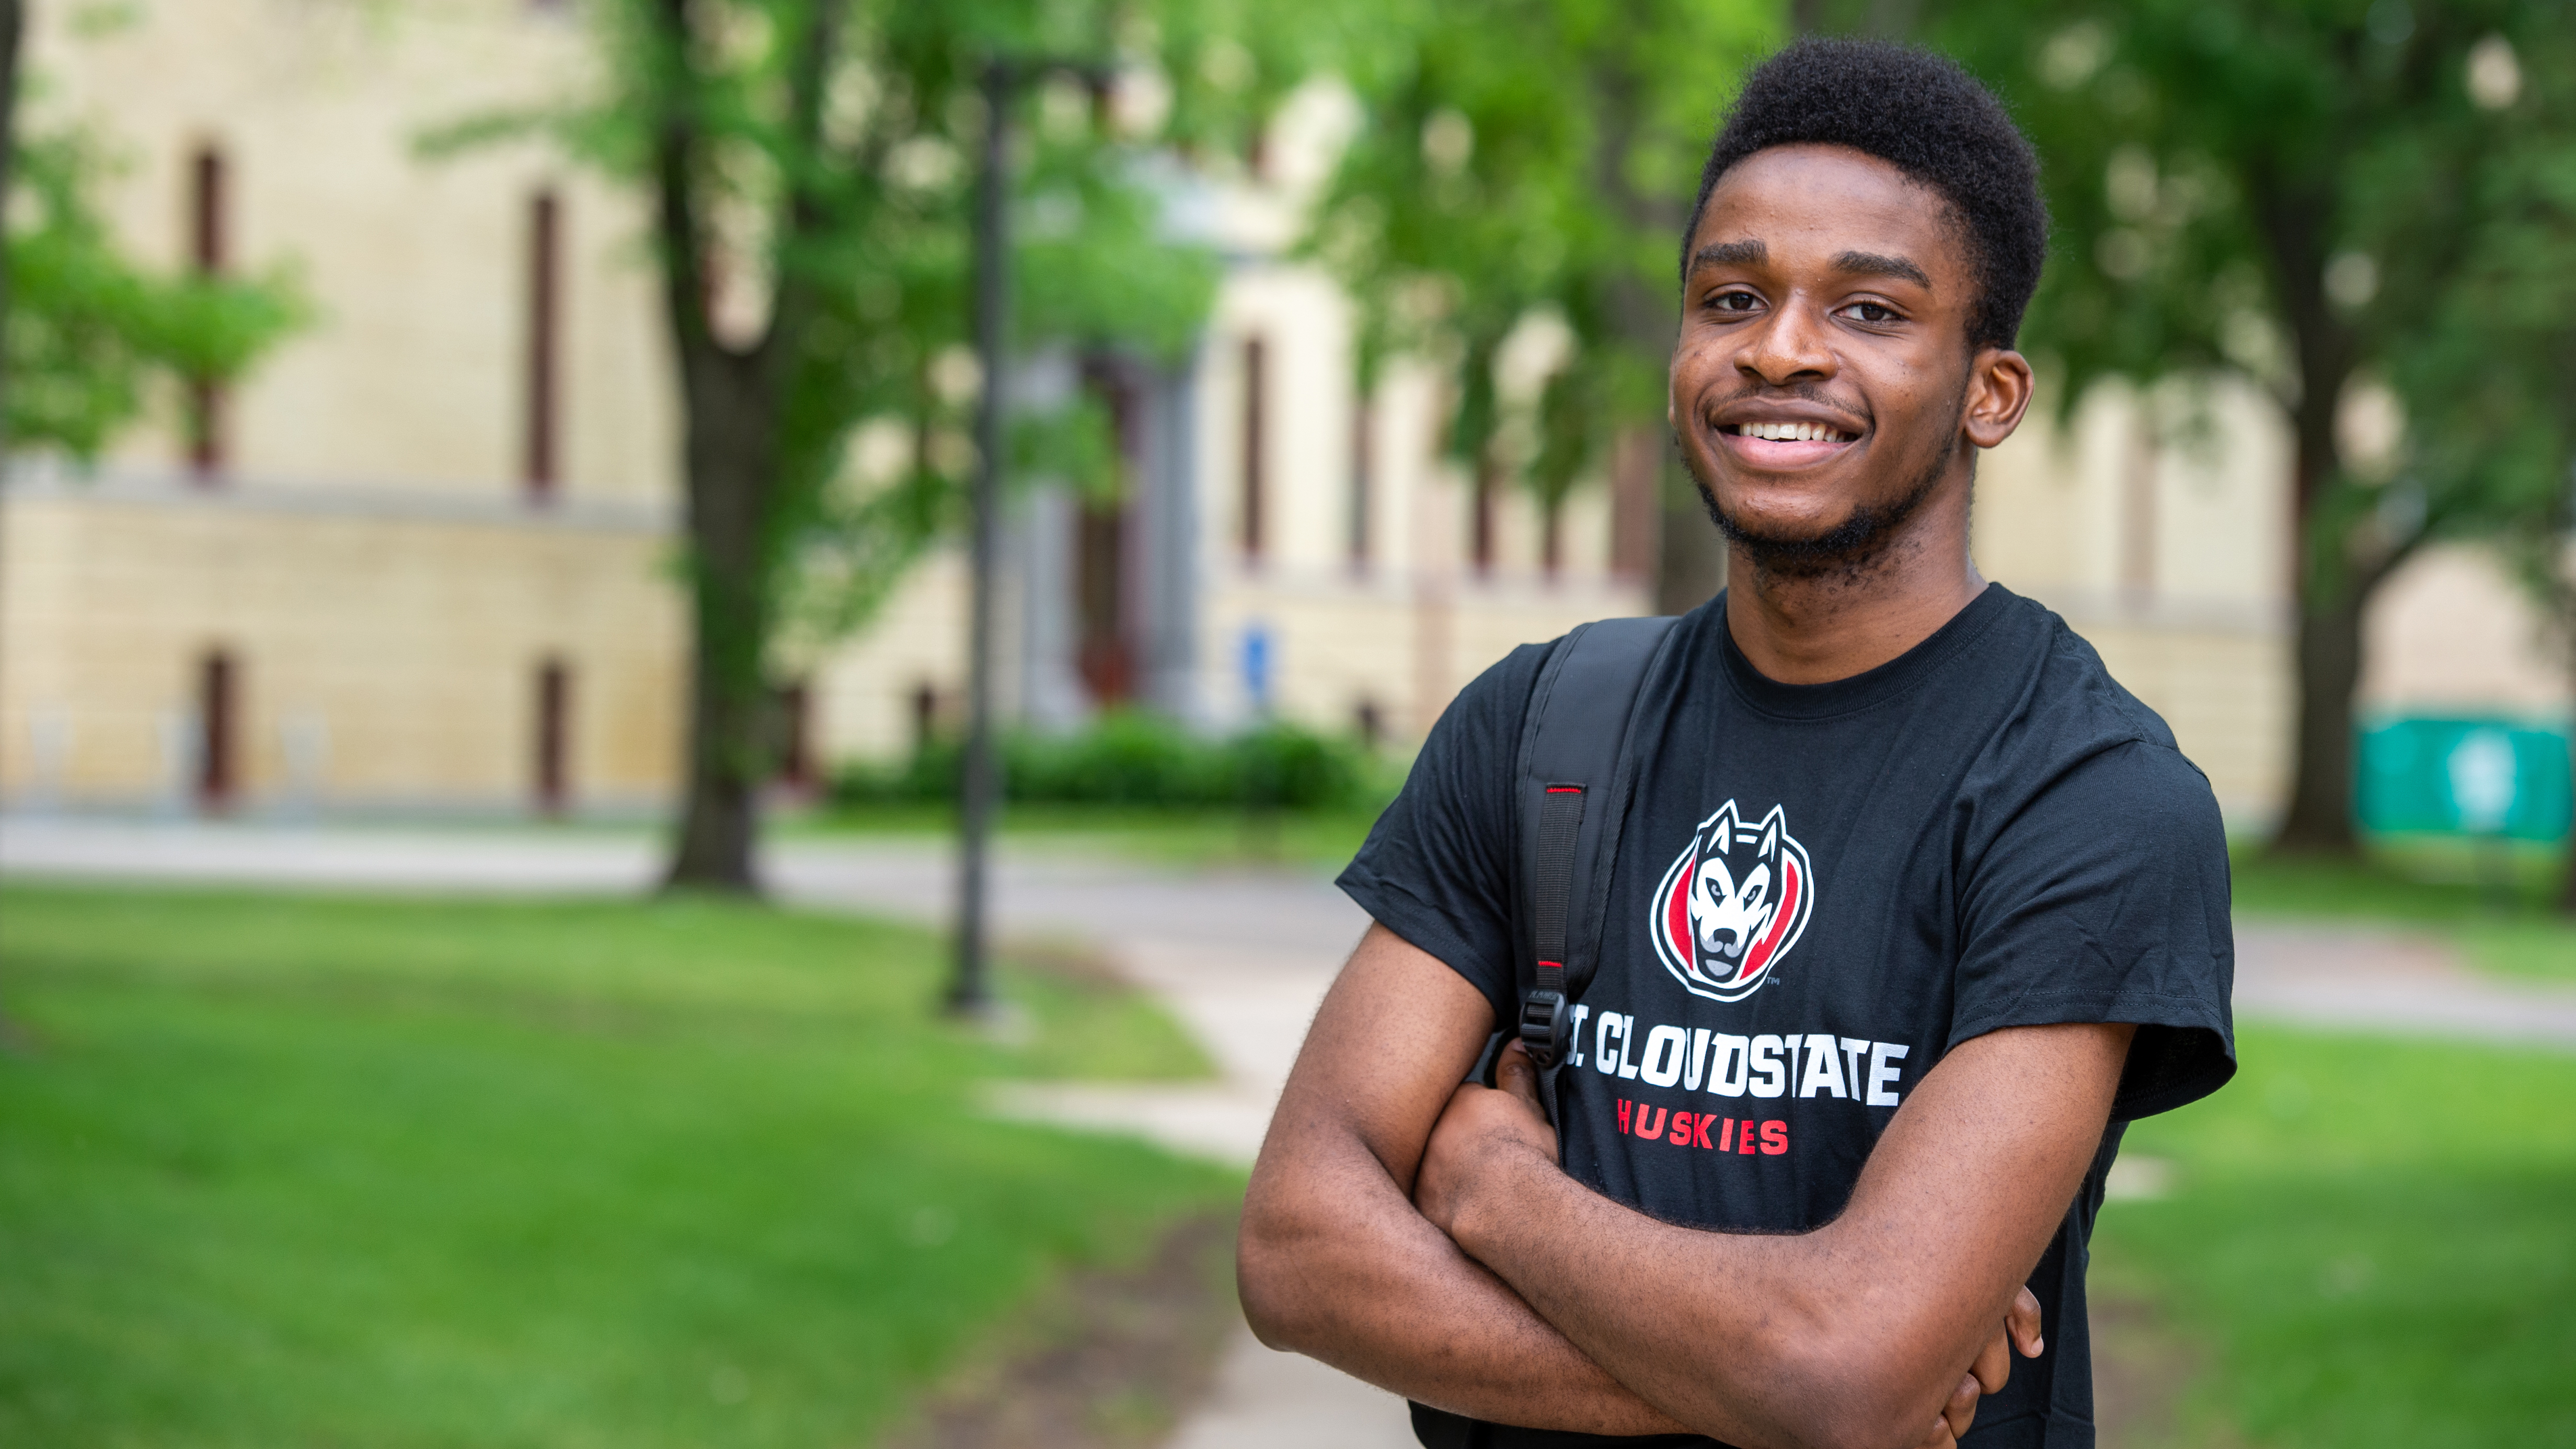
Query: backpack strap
point(1574, 783)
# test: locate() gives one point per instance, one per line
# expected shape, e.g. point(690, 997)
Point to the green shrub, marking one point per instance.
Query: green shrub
point(1132, 758)
point(1282, 765)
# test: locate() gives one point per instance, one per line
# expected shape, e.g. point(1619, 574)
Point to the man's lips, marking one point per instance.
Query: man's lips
point(1805, 443)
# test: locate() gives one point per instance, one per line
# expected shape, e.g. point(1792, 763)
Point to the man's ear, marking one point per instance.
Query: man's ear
point(1999, 387)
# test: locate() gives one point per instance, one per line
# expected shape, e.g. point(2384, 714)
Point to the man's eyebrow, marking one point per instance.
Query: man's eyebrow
point(1871, 264)
point(1731, 254)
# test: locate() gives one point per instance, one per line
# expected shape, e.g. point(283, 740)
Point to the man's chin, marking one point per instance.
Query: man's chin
point(1845, 549)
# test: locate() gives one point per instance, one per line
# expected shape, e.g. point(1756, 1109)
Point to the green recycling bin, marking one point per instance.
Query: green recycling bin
point(2468, 776)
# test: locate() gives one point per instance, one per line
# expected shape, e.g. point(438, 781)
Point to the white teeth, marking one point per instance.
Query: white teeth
point(1790, 432)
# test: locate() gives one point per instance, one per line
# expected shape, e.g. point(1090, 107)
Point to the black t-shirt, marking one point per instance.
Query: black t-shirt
point(1820, 889)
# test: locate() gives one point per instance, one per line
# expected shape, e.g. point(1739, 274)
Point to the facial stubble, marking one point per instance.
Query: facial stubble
point(1849, 549)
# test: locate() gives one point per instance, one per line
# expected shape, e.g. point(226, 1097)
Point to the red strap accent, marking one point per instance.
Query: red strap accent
point(1565, 789)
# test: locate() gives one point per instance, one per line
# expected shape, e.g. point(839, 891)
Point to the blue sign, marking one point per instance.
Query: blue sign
point(2467, 776)
point(1257, 665)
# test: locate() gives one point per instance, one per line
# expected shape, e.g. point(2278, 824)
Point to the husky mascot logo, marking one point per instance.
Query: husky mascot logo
point(1733, 904)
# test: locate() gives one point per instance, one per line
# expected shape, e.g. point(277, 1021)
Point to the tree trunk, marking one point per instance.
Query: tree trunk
point(2331, 598)
point(2567, 617)
point(1665, 532)
point(731, 452)
point(13, 22)
point(734, 402)
point(2329, 670)
point(13, 25)
point(1636, 501)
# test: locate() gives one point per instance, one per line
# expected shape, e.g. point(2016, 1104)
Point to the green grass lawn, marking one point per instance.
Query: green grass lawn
point(2373, 1241)
point(2501, 909)
point(323, 1171)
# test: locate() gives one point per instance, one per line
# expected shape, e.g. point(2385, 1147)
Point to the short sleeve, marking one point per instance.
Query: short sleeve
point(1436, 868)
point(2105, 898)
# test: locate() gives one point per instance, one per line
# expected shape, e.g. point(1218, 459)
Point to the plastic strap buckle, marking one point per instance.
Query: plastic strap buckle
point(1544, 1027)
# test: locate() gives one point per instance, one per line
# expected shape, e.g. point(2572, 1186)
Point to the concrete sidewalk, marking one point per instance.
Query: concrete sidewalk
point(1244, 954)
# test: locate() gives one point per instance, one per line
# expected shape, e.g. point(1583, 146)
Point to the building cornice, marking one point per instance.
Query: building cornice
point(499, 507)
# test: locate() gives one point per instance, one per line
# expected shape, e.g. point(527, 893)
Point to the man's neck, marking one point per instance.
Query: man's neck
point(1817, 629)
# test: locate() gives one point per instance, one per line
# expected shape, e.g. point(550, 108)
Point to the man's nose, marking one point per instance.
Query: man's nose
point(1788, 346)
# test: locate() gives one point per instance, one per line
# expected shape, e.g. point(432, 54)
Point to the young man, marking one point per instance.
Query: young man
point(1911, 908)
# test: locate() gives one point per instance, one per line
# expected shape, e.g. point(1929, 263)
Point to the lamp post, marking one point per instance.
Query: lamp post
point(969, 993)
point(979, 776)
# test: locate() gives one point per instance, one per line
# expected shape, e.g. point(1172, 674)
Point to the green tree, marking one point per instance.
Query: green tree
point(84, 329)
point(806, 164)
point(13, 35)
point(1539, 156)
point(2500, 374)
point(2318, 194)
point(89, 330)
point(2547, 555)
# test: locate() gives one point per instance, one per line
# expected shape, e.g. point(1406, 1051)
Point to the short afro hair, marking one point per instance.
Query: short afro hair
point(1922, 114)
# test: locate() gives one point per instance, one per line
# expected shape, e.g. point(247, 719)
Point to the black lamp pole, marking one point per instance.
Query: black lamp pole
point(979, 778)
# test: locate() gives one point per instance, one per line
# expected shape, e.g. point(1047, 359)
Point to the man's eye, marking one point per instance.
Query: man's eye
point(1735, 302)
point(1871, 312)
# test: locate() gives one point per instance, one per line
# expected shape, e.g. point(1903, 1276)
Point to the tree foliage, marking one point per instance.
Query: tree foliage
point(808, 164)
point(1523, 157)
point(89, 328)
point(2316, 193)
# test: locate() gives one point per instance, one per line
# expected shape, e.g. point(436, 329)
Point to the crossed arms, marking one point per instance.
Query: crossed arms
point(1461, 1267)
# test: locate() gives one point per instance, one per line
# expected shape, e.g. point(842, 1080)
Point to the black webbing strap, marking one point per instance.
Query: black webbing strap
point(1560, 825)
point(1573, 785)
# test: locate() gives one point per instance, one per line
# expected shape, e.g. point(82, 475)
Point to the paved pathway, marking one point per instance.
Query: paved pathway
point(2346, 975)
point(1241, 958)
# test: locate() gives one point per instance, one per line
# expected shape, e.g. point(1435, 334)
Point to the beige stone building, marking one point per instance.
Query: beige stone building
point(420, 560)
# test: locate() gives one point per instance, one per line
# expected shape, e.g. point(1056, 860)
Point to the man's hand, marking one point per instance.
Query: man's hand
point(1478, 1123)
point(1484, 1135)
point(1989, 1374)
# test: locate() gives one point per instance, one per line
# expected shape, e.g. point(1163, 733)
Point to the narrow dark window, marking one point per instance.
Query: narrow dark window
point(925, 714)
point(1370, 723)
point(1100, 587)
point(1256, 152)
point(554, 737)
point(539, 463)
point(1480, 523)
point(795, 706)
point(1256, 392)
point(1363, 478)
point(206, 200)
point(1104, 607)
point(1636, 466)
point(207, 203)
point(218, 731)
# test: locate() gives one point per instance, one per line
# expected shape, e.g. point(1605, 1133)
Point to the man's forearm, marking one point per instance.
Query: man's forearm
point(1378, 1292)
point(1731, 1353)
point(1336, 1261)
point(1849, 1335)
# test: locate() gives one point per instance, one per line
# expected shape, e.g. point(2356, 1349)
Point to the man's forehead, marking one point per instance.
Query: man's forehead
point(1810, 203)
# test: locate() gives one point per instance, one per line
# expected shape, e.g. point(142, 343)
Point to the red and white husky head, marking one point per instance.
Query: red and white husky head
point(1733, 904)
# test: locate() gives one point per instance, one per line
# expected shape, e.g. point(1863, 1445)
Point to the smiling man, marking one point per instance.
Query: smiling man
point(1905, 906)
